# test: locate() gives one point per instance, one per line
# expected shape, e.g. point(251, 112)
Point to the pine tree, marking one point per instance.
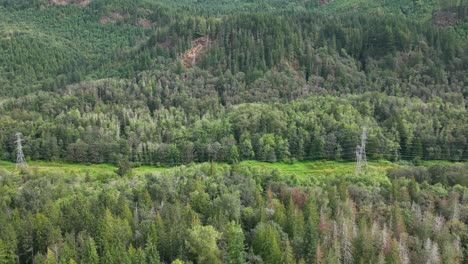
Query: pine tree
point(234, 237)
point(394, 255)
point(288, 255)
point(398, 221)
point(6, 256)
point(51, 258)
point(363, 245)
point(234, 155)
point(163, 241)
point(266, 243)
point(151, 248)
point(89, 255)
point(317, 150)
point(246, 149)
point(311, 234)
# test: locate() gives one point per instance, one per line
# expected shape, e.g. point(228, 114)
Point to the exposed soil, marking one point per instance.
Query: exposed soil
point(199, 47)
point(81, 3)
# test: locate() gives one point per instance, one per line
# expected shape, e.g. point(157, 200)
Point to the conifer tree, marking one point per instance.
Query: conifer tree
point(234, 237)
point(151, 248)
point(311, 234)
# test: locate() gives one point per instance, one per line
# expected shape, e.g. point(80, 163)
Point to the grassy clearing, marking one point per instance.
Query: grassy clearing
point(76, 169)
point(302, 170)
point(318, 168)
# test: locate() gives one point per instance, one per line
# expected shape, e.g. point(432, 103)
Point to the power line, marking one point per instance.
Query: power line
point(348, 152)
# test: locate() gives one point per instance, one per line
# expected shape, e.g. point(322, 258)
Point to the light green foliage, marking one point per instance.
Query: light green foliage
point(240, 121)
point(288, 254)
point(202, 241)
point(233, 236)
point(331, 220)
point(151, 247)
point(89, 252)
point(6, 256)
point(266, 243)
point(50, 258)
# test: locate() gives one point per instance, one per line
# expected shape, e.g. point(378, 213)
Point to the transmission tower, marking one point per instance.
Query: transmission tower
point(363, 146)
point(20, 160)
point(358, 159)
point(361, 157)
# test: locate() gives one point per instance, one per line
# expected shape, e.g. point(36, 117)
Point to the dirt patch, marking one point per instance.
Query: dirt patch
point(81, 3)
point(445, 18)
point(113, 17)
point(145, 23)
point(199, 47)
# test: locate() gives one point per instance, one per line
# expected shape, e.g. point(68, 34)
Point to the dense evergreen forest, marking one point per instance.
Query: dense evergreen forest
point(100, 81)
point(201, 85)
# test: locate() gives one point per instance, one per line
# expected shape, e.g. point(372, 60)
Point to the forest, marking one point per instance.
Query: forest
point(236, 214)
point(149, 83)
point(185, 119)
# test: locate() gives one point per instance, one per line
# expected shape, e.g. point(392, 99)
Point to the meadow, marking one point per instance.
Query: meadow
point(301, 170)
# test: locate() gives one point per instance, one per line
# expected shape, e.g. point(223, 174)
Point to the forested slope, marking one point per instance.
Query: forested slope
point(207, 84)
point(174, 82)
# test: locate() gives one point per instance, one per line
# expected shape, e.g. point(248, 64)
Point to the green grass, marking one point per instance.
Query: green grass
point(318, 168)
point(75, 169)
point(303, 170)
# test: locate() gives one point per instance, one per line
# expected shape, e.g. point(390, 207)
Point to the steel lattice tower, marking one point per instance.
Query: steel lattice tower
point(358, 159)
point(361, 156)
point(363, 146)
point(20, 160)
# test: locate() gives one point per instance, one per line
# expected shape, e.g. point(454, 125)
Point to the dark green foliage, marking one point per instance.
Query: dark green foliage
point(447, 175)
point(125, 167)
point(311, 234)
point(105, 81)
point(115, 82)
point(266, 242)
point(198, 130)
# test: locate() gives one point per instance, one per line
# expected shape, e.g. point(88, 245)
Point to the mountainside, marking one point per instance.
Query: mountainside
point(146, 79)
point(95, 39)
point(233, 131)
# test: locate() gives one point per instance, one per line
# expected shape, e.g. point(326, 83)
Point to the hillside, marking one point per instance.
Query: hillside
point(171, 82)
point(229, 131)
point(119, 39)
